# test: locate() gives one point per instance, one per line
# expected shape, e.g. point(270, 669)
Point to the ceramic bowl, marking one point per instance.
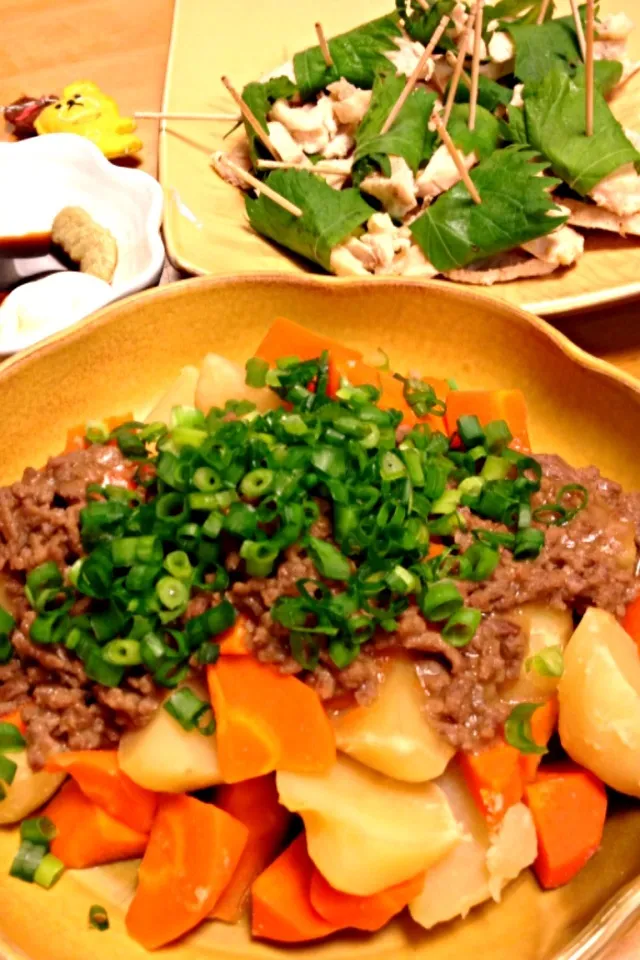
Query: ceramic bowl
point(579, 407)
point(46, 173)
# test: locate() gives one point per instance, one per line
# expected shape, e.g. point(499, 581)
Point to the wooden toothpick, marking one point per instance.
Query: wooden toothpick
point(159, 115)
point(475, 64)
point(458, 68)
point(457, 159)
point(322, 166)
point(324, 46)
point(258, 185)
point(249, 116)
point(416, 75)
point(589, 67)
point(543, 12)
point(579, 28)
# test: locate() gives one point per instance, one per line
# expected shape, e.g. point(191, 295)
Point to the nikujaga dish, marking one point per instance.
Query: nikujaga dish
point(318, 640)
point(374, 197)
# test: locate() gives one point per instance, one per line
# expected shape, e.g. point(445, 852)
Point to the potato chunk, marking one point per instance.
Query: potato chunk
point(599, 699)
point(221, 380)
point(164, 757)
point(366, 832)
point(481, 865)
point(393, 734)
point(29, 790)
point(544, 627)
point(181, 393)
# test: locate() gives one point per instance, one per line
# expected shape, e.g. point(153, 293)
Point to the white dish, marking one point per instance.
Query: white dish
point(41, 175)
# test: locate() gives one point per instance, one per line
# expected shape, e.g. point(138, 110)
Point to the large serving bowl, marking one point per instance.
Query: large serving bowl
point(123, 358)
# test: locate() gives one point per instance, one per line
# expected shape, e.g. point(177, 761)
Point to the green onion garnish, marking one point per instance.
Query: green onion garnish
point(461, 626)
point(11, 740)
point(517, 729)
point(27, 860)
point(440, 601)
point(40, 830)
point(124, 653)
point(256, 375)
point(98, 918)
point(8, 770)
point(185, 707)
point(549, 662)
point(48, 871)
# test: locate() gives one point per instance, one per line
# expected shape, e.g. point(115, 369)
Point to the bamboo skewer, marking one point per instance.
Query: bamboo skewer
point(464, 76)
point(579, 28)
point(322, 166)
point(416, 75)
point(249, 116)
point(458, 68)
point(258, 185)
point(457, 159)
point(589, 68)
point(475, 64)
point(424, 5)
point(543, 12)
point(324, 46)
point(159, 115)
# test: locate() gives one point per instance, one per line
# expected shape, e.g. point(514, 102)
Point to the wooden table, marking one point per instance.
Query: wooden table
point(122, 45)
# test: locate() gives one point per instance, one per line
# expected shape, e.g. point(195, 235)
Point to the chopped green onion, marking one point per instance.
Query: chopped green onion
point(49, 871)
point(343, 654)
point(328, 560)
point(528, 543)
point(482, 561)
point(548, 662)
point(259, 557)
point(256, 483)
point(208, 653)
point(171, 592)
point(185, 707)
point(8, 770)
point(124, 653)
point(11, 740)
point(470, 431)
point(446, 503)
point(27, 860)
point(517, 729)
point(495, 468)
point(441, 600)
point(178, 565)
point(461, 626)
point(40, 830)
point(98, 918)
point(98, 669)
point(207, 480)
point(305, 649)
point(241, 520)
point(497, 436)
point(391, 466)
point(256, 372)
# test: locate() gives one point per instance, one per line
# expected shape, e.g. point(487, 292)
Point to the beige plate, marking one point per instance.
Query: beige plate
point(206, 229)
point(126, 356)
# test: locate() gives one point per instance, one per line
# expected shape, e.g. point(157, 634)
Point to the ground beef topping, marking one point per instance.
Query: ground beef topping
point(589, 561)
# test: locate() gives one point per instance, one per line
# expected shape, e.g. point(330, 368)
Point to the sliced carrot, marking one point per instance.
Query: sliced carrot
point(281, 907)
point(288, 339)
point(435, 549)
point(254, 803)
point(100, 778)
point(235, 640)
point(87, 836)
point(494, 778)
point(631, 620)
point(544, 721)
point(363, 913)
point(488, 405)
point(267, 721)
point(15, 719)
point(193, 851)
point(568, 805)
